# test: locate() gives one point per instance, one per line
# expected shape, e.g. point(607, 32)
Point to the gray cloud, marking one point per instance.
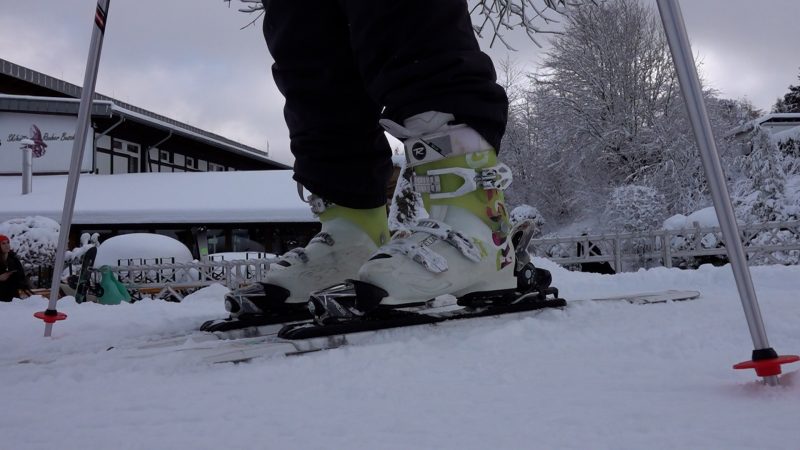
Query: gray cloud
point(188, 59)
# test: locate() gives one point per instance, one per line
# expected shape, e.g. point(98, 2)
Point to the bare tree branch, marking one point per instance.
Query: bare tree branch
point(496, 17)
point(250, 6)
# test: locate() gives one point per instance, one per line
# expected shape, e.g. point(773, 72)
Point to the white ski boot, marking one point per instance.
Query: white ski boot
point(463, 249)
point(347, 239)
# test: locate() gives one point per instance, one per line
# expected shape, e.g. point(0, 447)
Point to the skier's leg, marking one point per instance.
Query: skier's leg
point(341, 153)
point(432, 77)
point(420, 55)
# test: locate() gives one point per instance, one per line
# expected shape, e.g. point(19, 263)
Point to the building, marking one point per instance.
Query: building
point(238, 211)
point(124, 138)
point(782, 127)
point(134, 172)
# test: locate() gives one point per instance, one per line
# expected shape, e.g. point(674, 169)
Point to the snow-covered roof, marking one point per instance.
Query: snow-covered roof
point(779, 117)
point(196, 197)
point(774, 118)
point(107, 107)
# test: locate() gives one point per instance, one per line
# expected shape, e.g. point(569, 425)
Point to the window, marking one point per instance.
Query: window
point(103, 142)
point(119, 164)
point(244, 242)
point(164, 156)
point(216, 240)
point(191, 163)
point(103, 163)
point(116, 156)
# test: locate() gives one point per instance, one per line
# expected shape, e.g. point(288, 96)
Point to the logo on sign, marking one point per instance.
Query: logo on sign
point(35, 142)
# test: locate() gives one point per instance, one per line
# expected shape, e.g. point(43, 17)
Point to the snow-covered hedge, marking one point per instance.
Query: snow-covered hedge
point(34, 239)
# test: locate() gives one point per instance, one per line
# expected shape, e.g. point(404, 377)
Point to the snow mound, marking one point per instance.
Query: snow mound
point(141, 247)
point(705, 218)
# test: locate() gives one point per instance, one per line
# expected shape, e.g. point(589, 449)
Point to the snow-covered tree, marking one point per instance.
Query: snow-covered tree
point(635, 208)
point(605, 110)
point(760, 193)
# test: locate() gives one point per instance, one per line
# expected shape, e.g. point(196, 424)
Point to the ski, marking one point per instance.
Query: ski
point(307, 337)
point(245, 344)
point(646, 298)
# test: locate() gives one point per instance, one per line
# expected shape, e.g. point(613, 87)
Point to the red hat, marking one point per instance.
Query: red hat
point(4, 238)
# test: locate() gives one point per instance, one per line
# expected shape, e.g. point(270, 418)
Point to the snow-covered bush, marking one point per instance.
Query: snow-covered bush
point(34, 239)
point(88, 241)
point(690, 239)
point(523, 212)
point(635, 208)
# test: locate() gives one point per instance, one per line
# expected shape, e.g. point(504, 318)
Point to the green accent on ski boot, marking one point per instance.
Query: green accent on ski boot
point(371, 221)
point(488, 205)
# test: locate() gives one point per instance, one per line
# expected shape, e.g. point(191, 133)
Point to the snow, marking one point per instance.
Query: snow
point(197, 197)
point(705, 218)
point(141, 248)
point(595, 375)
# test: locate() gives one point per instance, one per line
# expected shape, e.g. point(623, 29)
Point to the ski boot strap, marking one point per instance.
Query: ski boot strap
point(421, 252)
point(428, 137)
point(497, 177)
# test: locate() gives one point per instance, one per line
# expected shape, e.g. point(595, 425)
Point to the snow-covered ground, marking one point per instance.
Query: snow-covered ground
point(592, 376)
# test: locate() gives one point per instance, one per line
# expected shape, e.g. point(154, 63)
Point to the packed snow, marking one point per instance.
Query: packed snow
point(591, 376)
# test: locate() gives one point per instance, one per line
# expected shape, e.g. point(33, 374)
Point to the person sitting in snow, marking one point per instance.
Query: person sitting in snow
point(12, 274)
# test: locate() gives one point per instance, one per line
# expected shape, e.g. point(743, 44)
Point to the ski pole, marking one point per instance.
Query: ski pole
point(765, 360)
point(51, 315)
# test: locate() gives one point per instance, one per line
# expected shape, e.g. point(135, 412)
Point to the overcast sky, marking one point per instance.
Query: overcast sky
point(189, 60)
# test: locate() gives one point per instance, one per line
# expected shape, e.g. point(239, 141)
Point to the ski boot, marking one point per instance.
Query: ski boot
point(465, 248)
point(348, 238)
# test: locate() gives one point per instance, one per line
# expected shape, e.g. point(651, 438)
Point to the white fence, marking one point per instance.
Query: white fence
point(767, 243)
point(193, 275)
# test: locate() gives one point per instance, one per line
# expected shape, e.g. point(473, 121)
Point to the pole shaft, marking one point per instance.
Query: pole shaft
point(678, 40)
point(27, 170)
point(81, 132)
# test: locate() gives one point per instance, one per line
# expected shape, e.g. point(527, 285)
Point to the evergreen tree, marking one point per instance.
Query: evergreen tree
point(790, 103)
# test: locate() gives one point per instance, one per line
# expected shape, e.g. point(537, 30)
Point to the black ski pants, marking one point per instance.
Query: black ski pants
point(343, 64)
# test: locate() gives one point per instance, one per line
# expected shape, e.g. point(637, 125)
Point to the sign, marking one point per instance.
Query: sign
point(50, 138)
